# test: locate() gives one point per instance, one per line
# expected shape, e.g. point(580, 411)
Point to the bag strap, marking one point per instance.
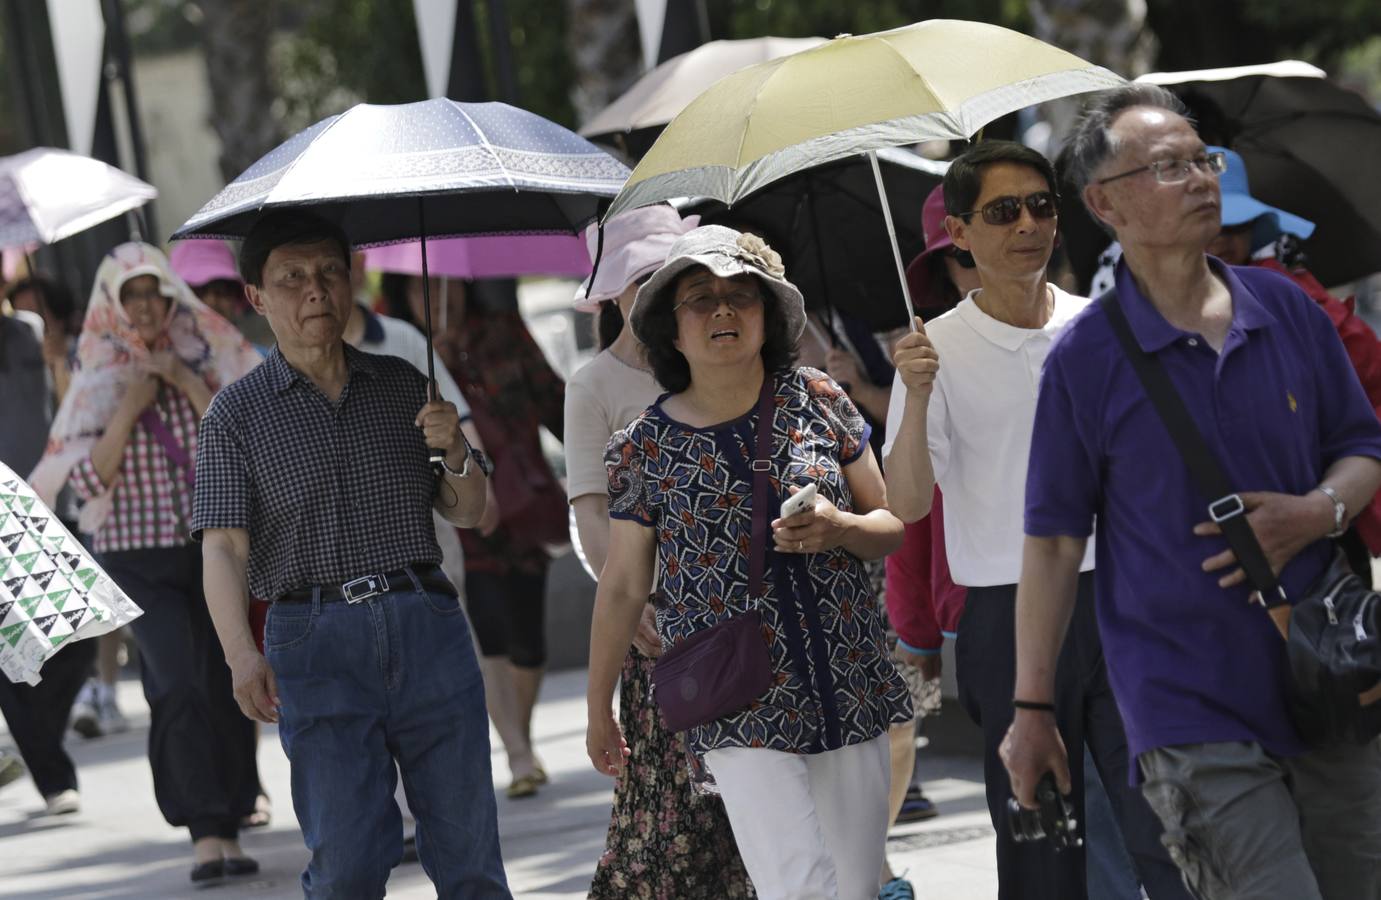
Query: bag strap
point(179, 457)
point(762, 473)
point(1227, 510)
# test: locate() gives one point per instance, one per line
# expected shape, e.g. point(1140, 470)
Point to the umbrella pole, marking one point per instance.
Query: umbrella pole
point(892, 236)
point(435, 454)
point(820, 255)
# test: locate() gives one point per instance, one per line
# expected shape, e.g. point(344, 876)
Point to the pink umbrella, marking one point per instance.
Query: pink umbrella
point(489, 256)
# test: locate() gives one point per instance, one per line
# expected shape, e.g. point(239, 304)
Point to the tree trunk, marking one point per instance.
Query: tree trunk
point(605, 51)
point(235, 35)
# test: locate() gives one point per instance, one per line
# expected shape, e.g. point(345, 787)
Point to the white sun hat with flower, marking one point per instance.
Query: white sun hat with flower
point(726, 253)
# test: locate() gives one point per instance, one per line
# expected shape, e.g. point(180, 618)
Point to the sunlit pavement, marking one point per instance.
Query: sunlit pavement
point(118, 846)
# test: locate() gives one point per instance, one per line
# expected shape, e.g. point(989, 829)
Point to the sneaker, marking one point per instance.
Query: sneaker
point(86, 719)
point(11, 768)
point(897, 889)
point(62, 803)
point(917, 807)
point(109, 719)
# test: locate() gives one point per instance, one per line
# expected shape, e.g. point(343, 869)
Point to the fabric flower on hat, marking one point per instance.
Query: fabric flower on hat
point(756, 252)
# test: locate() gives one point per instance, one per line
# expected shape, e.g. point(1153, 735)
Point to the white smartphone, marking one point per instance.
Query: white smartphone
point(800, 501)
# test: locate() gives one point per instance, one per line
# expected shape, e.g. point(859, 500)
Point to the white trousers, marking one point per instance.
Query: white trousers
point(808, 826)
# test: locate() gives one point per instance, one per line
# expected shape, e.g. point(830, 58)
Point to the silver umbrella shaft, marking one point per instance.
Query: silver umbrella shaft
point(892, 236)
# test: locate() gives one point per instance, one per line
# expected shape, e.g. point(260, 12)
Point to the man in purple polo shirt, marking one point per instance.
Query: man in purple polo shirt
point(1199, 672)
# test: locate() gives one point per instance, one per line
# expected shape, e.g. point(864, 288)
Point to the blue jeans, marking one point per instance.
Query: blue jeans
point(360, 686)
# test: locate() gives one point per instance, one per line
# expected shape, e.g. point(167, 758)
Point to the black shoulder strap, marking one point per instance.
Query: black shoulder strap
point(1225, 505)
point(762, 472)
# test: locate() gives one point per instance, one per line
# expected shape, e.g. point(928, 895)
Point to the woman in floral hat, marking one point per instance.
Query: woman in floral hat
point(796, 742)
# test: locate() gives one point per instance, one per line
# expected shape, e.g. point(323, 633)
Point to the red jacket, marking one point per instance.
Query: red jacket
point(923, 602)
point(1364, 350)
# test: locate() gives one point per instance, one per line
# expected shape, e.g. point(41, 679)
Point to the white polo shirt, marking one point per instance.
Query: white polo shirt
point(982, 412)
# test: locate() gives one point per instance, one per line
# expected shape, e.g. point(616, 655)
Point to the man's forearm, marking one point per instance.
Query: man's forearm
point(462, 500)
point(1045, 602)
point(227, 599)
point(909, 474)
point(1356, 480)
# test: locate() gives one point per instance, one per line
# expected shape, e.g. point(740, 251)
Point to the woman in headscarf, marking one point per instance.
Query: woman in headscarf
point(664, 839)
point(148, 362)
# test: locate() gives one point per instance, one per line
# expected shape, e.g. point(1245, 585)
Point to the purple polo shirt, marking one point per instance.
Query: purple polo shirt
point(1189, 661)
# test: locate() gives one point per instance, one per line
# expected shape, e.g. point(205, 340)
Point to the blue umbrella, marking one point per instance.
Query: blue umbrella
point(438, 168)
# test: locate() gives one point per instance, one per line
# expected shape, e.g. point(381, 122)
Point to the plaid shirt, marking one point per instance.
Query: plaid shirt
point(152, 502)
point(327, 491)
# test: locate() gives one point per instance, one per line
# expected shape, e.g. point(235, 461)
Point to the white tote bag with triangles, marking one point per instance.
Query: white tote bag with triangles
point(51, 590)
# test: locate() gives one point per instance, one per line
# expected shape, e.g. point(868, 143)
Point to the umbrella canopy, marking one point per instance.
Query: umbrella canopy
point(632, 122)
point(1311, 147)
point(827, 223)
point(499, 256)
point(936, 79)
point(392, 173)
point(51, 590)
point(47, 195)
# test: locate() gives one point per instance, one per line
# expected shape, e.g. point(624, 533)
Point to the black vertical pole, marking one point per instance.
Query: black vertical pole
point(117, 39)
point(501, 43)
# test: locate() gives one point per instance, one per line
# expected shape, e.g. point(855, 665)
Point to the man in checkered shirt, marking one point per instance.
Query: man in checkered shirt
point(314, 489)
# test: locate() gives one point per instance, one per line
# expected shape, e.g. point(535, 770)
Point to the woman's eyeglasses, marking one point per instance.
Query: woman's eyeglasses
point(1006, 210)
point(704, 304)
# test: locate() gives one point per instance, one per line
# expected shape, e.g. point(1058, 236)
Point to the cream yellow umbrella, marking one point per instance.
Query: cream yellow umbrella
point(941, 78)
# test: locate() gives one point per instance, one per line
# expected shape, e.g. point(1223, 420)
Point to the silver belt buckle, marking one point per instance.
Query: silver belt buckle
point(361, 589)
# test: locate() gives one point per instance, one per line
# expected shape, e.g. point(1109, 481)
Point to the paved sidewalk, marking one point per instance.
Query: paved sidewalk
point(119, 846)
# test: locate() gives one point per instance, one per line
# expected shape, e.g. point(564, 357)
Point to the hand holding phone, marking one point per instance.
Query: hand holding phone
point(800, 501)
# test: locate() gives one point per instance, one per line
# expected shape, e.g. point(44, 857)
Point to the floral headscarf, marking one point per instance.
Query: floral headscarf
point(108, 354)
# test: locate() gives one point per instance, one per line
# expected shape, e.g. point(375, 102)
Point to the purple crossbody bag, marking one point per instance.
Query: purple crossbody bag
point(722, 669)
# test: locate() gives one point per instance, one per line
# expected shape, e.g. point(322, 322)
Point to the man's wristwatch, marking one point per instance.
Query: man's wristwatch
point(1339, 511)
point(471, 453)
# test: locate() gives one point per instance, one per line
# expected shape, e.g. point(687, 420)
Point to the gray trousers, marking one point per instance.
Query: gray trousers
point(1245, 825)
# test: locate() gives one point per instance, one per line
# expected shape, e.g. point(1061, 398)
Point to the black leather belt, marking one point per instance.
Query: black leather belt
point(360, 589)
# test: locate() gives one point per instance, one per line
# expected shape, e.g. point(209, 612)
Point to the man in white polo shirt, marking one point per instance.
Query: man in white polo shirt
point(966, 423)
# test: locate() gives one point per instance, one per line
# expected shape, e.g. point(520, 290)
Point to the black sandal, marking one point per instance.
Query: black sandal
point(211, 870)
point(243, 865)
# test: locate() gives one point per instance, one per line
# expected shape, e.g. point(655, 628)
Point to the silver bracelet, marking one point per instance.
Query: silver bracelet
point(1339, 511)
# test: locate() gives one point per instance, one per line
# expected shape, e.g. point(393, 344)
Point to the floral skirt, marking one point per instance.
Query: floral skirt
point(665, 841)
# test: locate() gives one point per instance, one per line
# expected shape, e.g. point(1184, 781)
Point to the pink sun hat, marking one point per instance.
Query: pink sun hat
point(636, 243)
point(201, 261)
point(919, 274)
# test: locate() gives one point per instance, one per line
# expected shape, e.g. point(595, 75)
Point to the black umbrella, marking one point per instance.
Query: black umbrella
point(439, 168)
point(828, 225)
point(1311, 146)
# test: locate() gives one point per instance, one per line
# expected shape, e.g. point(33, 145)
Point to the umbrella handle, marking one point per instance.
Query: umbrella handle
point(892, 236)
point(435, 455)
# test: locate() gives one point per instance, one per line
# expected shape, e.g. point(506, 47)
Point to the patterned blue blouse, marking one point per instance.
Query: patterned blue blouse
point(834, 682)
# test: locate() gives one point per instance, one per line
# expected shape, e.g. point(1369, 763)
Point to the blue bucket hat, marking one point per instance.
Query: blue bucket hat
point(1240, 207)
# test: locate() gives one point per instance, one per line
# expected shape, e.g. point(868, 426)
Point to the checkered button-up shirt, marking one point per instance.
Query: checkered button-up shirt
point(327, 491)
point(151, 502)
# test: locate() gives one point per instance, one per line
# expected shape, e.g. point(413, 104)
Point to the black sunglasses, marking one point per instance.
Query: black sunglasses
point(1006, 210)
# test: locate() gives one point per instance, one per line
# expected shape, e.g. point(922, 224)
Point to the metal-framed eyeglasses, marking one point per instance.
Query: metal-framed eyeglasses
point(703, 303)
point(1174, 171)
point(1006, 210)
